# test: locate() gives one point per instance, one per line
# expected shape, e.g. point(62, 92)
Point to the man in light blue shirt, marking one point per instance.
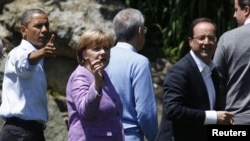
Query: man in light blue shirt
point(24, 100)
point(131, 76)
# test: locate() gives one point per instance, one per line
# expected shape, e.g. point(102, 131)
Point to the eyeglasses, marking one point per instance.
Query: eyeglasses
point(202, 38)
point(145, 29)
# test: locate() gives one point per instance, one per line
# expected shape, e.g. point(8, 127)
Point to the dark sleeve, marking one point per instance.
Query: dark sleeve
point(183, 95)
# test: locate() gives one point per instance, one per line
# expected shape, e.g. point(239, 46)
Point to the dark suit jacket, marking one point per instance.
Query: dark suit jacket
point(185, 101)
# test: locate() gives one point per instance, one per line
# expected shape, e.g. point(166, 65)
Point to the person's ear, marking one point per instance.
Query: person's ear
point(23, 31)
point(190, 41)
point(140, 33)
point(247, 11)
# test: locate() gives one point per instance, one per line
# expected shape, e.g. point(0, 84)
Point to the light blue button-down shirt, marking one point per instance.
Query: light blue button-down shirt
point(24, 86)
point(130, 74)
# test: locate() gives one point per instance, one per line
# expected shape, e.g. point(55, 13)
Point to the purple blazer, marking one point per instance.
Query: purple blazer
point(93, 117)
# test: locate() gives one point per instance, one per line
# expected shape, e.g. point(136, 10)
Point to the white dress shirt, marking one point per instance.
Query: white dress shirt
point(206, 72)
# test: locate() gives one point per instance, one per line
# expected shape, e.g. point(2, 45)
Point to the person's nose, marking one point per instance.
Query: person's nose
point(206, 40)
point(102, 51)
point(45, 28)
point(234, 15)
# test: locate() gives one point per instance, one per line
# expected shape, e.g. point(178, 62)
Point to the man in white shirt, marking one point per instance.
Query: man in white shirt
point(24, 100)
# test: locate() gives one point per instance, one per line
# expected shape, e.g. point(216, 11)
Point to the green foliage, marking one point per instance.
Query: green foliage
point(168, 22)
point(54, 93)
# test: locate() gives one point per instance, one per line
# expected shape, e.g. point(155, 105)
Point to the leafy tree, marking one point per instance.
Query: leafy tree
point(168, 22)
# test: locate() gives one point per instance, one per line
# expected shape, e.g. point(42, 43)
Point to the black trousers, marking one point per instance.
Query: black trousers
point(16, 129)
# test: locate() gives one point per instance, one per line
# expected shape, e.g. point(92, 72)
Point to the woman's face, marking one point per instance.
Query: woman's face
point(97, 52)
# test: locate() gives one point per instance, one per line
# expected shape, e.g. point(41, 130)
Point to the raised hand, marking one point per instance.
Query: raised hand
point(52, 38)
point(96, 67)
point(49, 49)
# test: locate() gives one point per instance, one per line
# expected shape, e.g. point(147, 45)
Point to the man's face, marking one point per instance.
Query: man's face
point(37, 30)
point(204, 41)
point(239, 14)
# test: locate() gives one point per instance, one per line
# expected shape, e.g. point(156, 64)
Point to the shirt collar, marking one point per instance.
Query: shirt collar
point(126, 46)
point(27, 45)
point(201, 65)
point(247, 21)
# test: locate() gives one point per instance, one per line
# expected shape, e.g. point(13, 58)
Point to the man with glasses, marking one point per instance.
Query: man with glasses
point(232, 57)
point(130, 74)
point(192, 89)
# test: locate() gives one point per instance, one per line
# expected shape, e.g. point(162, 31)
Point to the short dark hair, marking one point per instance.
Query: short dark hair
point(243, 3)
point(25, 19)
point(197, 21)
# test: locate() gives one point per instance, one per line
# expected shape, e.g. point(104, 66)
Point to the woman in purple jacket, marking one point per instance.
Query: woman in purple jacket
point(94, 107)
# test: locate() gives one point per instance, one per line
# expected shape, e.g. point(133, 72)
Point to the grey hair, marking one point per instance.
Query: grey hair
point(26, 17)
point(126, 23)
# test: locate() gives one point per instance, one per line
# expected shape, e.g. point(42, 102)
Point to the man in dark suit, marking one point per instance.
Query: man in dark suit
point(192, 89)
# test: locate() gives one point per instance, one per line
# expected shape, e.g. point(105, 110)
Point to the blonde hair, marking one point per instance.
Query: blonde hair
point(92, 37)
